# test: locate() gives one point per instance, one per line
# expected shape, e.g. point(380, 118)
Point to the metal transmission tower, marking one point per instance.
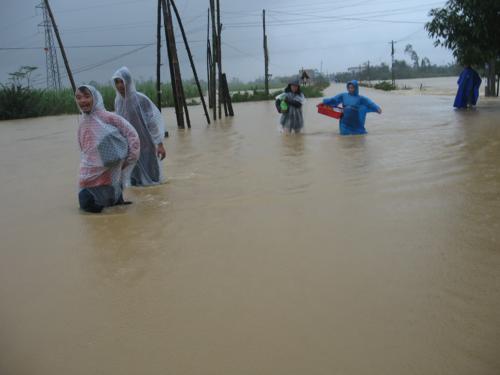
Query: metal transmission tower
point(51, 63)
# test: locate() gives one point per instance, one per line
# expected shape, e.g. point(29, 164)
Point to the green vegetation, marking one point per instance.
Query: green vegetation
point(402, 70)
point(384, 85)
point(469, 28)
point(19, 100)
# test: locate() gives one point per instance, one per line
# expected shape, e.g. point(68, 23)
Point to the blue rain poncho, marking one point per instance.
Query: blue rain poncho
point(292, 119)
point(355, 109)
point(468, 88)
point(145, 117)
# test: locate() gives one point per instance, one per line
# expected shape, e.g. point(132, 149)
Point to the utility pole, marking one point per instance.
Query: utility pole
point(175, 73)
point(217, 84)
point(59, 41)
point(266, 54)
point(158, 57)
point(191, 61)
point(214, 60)
point(51, 64)
point(392, 65)
point(227, 96)
point(158, 61)
point(368, 70)
point(219, 59)
point(209, 63)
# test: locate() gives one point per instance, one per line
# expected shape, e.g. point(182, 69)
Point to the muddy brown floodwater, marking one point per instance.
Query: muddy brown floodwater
point(263, 254)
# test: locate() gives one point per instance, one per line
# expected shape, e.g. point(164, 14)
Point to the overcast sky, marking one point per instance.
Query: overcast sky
point(329, 35)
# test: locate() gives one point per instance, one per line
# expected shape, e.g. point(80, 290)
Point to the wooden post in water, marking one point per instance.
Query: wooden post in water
point(158, 61)
point(227, 95)
point(392, 64)
point(209, 63)
point(59, 40)
point(158, 57)
point(266, 55)
point(219, 58)
point(175, 73)
point(188, 50)
point(214, 59)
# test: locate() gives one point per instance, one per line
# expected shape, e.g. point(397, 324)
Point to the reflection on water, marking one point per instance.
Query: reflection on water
point(263, 253)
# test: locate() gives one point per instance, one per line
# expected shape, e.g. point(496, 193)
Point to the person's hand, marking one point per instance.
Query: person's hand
point(379, 110)
point(125, 164)
point(160, 151)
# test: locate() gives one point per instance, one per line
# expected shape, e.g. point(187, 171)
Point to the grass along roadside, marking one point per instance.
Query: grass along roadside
point(18, 101)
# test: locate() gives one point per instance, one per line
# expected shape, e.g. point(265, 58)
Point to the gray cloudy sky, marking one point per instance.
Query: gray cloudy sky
point(331, 34)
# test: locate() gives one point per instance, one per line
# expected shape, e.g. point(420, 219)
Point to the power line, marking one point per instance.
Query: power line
point(93, 46)
point(82, 46)
point(101, 63)
point(307, 17)
point(101, 5)
point(333, 19)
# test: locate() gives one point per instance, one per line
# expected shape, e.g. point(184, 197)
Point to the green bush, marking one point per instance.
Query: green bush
point(385, 85)
point(17, 102)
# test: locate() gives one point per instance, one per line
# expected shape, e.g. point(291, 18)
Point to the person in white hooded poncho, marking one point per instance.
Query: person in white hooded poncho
point(147, 120)
point(289, 104)
point(109, 149)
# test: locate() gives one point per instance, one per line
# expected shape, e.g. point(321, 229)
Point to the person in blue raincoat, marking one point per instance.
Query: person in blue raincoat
point(355, 109)
point(468, 88)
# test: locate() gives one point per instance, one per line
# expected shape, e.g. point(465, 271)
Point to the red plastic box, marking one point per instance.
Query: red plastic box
point(326, 110)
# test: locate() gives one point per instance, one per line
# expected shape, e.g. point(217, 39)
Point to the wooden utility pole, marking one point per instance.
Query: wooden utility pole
point(227, 96)
point(158, 57)
point(368, 70)
point(490, 89)
point(209, 63)
point(392, 64)
point(219, 58)
point(188, 50)
point(175, 73)
point(214, 59)
point(59, 41)
point(266, 54)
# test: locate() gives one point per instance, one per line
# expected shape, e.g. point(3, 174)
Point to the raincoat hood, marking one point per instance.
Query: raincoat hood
point(147, 120)
point(294, 82)
point(98, 102)
point(355, 108)
point(124, 74)
point(356, 86)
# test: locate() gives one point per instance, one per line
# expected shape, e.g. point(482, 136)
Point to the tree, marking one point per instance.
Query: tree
point(469, 28)
point(23, 73)
point(413, 55)
point(425, 64)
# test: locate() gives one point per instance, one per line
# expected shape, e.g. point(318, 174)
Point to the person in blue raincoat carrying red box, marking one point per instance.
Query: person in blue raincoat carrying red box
point(355, 107)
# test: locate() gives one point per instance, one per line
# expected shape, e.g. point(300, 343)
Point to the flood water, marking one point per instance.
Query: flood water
point(264, 253)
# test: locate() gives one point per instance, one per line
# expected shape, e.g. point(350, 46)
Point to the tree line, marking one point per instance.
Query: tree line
point(469, 28)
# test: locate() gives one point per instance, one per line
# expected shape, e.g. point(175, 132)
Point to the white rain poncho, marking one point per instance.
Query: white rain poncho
point(109, 148)
point(292, 119)
point(147, 120)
